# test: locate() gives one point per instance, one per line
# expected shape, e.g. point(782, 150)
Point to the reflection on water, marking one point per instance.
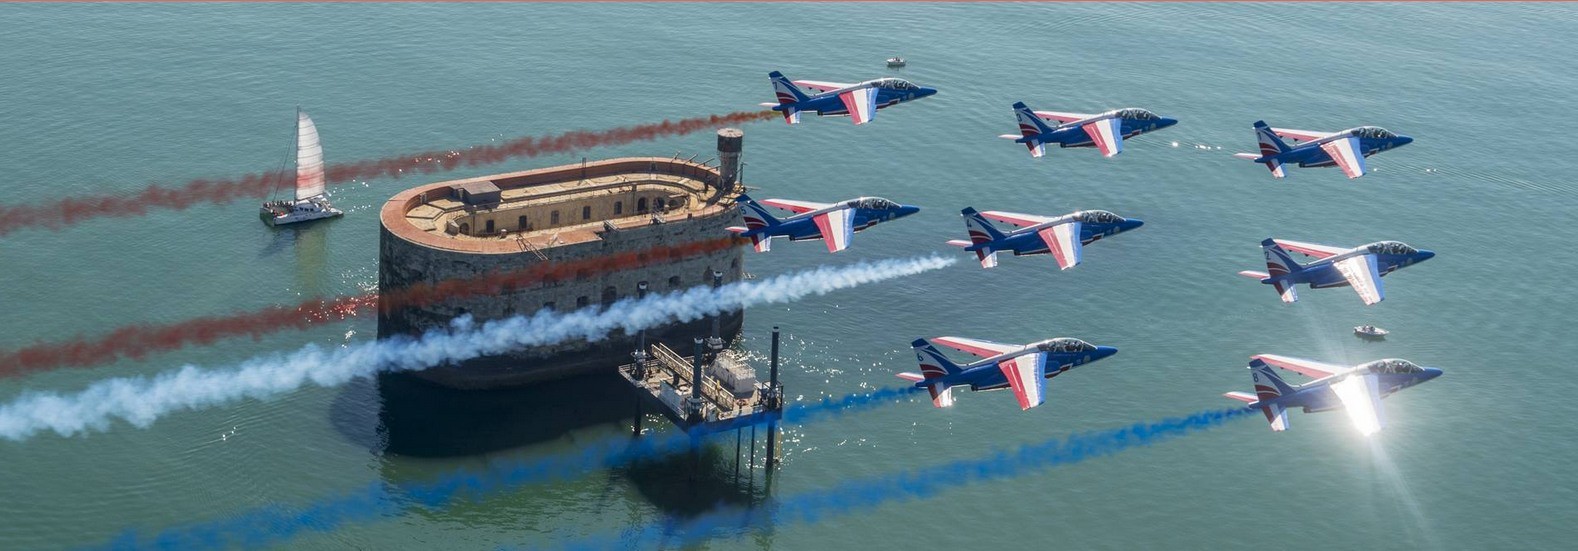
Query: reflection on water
point(399, 415)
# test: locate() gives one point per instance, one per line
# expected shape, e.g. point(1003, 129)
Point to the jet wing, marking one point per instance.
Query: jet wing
point(1021, 220)
point(1310, 249)
point(837, 227)
point(1061, 117)
point(1307, 368)
point(976, 347)
point(795, 206)
point(1361, 397)
point(861, 104)
point(1027, 376)
point(1063, 240)
point(1345, 152)
point(821, 85)
point(1108, 135)
point(1301, 135)
point(1365, 277)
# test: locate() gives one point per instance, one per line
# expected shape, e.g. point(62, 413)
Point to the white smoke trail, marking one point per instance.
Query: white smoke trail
point(143, 400)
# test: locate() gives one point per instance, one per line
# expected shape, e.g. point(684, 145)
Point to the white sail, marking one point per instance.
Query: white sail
point(309, 158)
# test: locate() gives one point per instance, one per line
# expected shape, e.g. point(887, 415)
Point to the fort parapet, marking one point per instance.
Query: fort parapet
point(570, 217)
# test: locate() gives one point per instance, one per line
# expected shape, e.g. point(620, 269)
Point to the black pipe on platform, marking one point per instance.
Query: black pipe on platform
point(716, 341)
point(695, 386)
point(773, 405)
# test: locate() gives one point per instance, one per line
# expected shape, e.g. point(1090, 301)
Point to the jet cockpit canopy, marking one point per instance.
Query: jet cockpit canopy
point(1065, 344)
point(1098, 217)
point(894, 84)
point(1391, 247)
point(875, 203)
point(1136, 113)
point(1392, 366)
point(1374, 132)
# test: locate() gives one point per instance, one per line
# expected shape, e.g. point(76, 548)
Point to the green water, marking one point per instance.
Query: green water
point(107, 99)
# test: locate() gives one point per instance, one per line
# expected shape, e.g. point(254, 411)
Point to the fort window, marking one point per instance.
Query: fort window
point(586, 213)
point(641, 204)
point(490, 228)
point(610, 294)
point(465, 228)
point(548, 306)
point(734, 264)
point(619, 207)
point(657, 204)
point(582, 301)
point(521, 223)
point(673, 282)
point(553, 218)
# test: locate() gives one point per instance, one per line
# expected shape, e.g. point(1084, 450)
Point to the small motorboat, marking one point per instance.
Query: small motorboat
point(1370, 332)
point(895, 61)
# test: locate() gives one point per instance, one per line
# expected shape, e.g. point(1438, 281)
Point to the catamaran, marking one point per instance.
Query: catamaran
point(311, 202)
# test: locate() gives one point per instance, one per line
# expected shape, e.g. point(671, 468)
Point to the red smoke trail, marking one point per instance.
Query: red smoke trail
point(137, 341)
point(69, 211)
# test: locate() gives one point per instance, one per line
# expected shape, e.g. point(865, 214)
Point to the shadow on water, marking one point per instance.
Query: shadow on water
point(687, 484)
point(401, 415)
point(420, 419)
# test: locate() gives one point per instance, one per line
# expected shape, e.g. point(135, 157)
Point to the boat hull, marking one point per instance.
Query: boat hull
point(299, 211)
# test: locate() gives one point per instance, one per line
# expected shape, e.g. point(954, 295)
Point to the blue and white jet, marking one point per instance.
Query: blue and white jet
point(1104, 131)
point(1360, 267)
point(859, 101)
point(1346, 149)
point(1062, 236)
point(834, 223)
point(1024, 368)
point(1358, 389)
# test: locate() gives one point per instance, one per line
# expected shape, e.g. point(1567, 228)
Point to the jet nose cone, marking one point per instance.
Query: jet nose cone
point(1104, 351)
point(1425, 255)
point(906, 210)
point(1404, 140)
point(1166, 122)
point(924, 91)
point(1131, 224)
point(1431, 373)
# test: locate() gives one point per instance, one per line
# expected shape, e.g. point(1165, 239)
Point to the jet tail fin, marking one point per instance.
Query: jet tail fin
point(934, 367)
point(1268, 387)
point(1030, 126)
point(981, 230)
point(1270, 146)
point(756, 216)
point(1279, 265)
point(787, 92)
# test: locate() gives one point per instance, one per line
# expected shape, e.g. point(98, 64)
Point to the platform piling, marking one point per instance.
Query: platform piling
point(774, 405)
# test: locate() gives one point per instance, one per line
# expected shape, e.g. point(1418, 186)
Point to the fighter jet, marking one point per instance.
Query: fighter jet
point(1024, 368)
point(833, 223)
point(1062, 236)
point(859, 101)
point(1346, 149)
point(1358, 389)
point(1105, 131)
point(1360, 267)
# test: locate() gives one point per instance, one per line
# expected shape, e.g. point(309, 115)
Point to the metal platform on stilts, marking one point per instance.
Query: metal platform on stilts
point(710, 392)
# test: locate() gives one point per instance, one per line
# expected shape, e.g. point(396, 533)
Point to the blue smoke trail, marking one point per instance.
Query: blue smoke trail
point(275, 524)
point(915, 484)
